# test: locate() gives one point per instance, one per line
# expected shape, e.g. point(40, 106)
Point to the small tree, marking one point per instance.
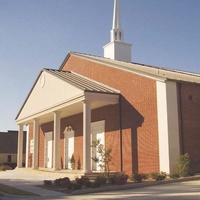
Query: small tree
point(72, 162)
point(183, 166)
point(104, 159)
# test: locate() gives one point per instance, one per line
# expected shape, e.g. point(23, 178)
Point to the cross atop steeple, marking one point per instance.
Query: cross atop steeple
point(116, 32)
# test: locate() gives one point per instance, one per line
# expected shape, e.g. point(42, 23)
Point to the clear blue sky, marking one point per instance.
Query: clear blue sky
point(39, 33)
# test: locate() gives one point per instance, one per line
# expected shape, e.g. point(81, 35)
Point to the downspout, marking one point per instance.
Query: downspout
point(120, 134)
point(182, 150)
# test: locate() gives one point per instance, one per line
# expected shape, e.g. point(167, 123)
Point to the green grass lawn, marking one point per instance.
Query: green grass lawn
point(14, 191)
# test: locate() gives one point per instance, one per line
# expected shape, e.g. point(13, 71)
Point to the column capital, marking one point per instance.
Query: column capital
point(37, 120)
point(85, 101)
point(57, 112)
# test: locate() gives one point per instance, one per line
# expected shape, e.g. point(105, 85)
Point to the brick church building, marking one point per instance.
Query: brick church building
point(148, 115)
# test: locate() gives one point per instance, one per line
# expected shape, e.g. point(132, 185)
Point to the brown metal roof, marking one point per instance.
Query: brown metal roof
point(82, 82)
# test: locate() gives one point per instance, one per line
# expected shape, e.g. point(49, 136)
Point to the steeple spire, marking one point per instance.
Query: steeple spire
point(116, 15)
point(116, 32)
point(117, 49)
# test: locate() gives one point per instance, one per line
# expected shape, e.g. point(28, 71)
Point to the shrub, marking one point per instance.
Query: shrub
point(83, 181)
point(72, 161)
point(112, 179)
point(144, 176)
point(158, 176)
point(66, 182)
point(136, 177)
point(63, 182)
point(95, 185)
point(47, 183)
point(153, 175)
point(76, 186)
point(183, 167)
point(174, 175)
point(58, 182)
point(5, 167)
point(100, 180)
point(120, 179)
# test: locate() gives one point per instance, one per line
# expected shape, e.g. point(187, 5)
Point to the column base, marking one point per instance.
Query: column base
point(34, 168)
point(87, 171)
point(56, 169)
point(19, 167)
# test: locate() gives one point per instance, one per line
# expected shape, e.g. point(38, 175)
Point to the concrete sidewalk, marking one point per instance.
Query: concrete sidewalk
point(27, 180)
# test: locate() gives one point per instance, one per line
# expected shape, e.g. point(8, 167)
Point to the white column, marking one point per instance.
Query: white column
point(86, 136)
point(20, 146)
point(56, 150)
point(35, 143)
point(27, 146)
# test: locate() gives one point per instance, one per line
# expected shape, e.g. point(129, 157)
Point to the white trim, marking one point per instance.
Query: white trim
point(168, 125)
point(122, 67)
point(98, 123)
point(52, 108)
point(109, 98)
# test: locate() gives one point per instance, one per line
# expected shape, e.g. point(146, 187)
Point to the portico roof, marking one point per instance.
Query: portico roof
point(82, 82)
point(64, 91)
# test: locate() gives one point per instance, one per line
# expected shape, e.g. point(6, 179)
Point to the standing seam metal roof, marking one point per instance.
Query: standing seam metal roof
point(82, 82)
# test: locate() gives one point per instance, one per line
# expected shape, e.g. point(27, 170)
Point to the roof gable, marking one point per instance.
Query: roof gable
point(48, 91)
point(53, 88)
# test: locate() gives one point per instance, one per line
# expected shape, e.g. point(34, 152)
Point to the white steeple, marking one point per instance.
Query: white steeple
point(116, 32)
point(117, 49)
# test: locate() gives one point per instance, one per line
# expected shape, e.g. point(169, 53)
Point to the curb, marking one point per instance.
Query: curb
point(132, 186)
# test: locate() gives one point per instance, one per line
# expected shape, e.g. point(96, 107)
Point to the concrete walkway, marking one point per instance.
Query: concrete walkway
point(27, 180)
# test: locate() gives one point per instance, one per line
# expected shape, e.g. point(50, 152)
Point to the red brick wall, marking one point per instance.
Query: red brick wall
point(44, 128)
point(139, 112)
point(189, 112)
point(138, 119)
point(108, 113)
